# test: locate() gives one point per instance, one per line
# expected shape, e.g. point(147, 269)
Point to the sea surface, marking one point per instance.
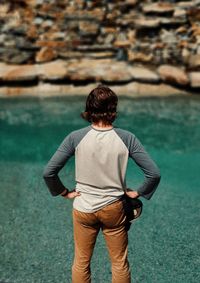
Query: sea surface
point(36, 228)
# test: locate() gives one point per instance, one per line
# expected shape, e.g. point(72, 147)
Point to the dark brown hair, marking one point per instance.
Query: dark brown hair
point(101, 104)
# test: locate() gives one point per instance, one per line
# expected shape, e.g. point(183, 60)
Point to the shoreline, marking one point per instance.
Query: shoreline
point(139, 49)
point(74, 77)
point(132, 89)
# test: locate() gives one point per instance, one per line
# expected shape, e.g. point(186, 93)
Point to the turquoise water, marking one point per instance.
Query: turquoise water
point(36, 228)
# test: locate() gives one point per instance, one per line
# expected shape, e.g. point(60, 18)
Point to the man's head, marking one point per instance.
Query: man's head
point(101, 105)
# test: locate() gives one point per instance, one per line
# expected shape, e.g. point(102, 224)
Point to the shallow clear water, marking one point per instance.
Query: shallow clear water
point(36, 229)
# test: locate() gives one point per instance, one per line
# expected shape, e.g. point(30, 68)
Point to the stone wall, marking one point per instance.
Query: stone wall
point(46, 43)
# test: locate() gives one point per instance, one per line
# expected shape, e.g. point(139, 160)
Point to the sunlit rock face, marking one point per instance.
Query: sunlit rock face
point(96, 41)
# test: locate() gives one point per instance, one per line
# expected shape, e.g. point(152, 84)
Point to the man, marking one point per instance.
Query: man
point(101, 156)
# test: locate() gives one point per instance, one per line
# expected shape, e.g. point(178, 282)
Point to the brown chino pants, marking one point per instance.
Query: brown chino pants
point(111, 220)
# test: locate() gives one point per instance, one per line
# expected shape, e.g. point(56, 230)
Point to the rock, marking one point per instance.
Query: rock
point(19, 31)
point(144, 47)
point(147, 23)
point(124, 22)
point(53, 71)
point(23, 73)
point(87, 28)
point(34, 3)
point(198, 39)
point(96, 14)
point(2, 38)
point(121, 54)
point(123, 43)
point(114, 72)
point(121, 40)
point(166, 55)
point(47, 24)
point(131, 35)
point(99, 55)
point(158, 8)
point(98, 70)
point(183, 44)
point(38, 21)
point(77, 55)
point(70, 26)
point(69, 54)
point(157, 45)
point(4, 9)
point(179, 13)
point(108, 30)
point(10, 43)
point(194, 79)
point(109, 38)
point(28, 15)
point(3, 69)
point(172, 22)
point(46, 54)
point(52, 43)
point(21, 3)
point(198, 50)
point(12, 20)
point(185, 55)
point(91, 4)
point(71, 11)
point(194, 14)
point(139, 57)
point(194, 61)
point(131, 2)
point(111, 6)
point(95, 47)
point(193, 47)
point(101, 40)
point(23, 43)
point(112, 16)
point(46, 8)
point(186, 4)
point(14, 56)
point(121, 36)
point(173, 75)
point(168, 37)
point(143, 75)
point(182, 29)
point(195, 29)
point(57, 36)
point(32, 33)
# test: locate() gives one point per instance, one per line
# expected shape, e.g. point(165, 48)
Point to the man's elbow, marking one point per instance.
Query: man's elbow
point(47, 176)
point(157, 178)
point(156, 175)
point(154, 182)
point(154, 178)
point(46, 173)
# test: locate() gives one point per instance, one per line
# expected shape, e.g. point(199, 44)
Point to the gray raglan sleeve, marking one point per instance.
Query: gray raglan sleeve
point(56, 163)
point(147, 165)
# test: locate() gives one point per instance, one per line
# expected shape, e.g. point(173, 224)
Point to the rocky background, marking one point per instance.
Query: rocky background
point(67, 47)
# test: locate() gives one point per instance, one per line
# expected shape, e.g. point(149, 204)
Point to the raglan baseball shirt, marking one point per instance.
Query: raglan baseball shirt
point(101, 157)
